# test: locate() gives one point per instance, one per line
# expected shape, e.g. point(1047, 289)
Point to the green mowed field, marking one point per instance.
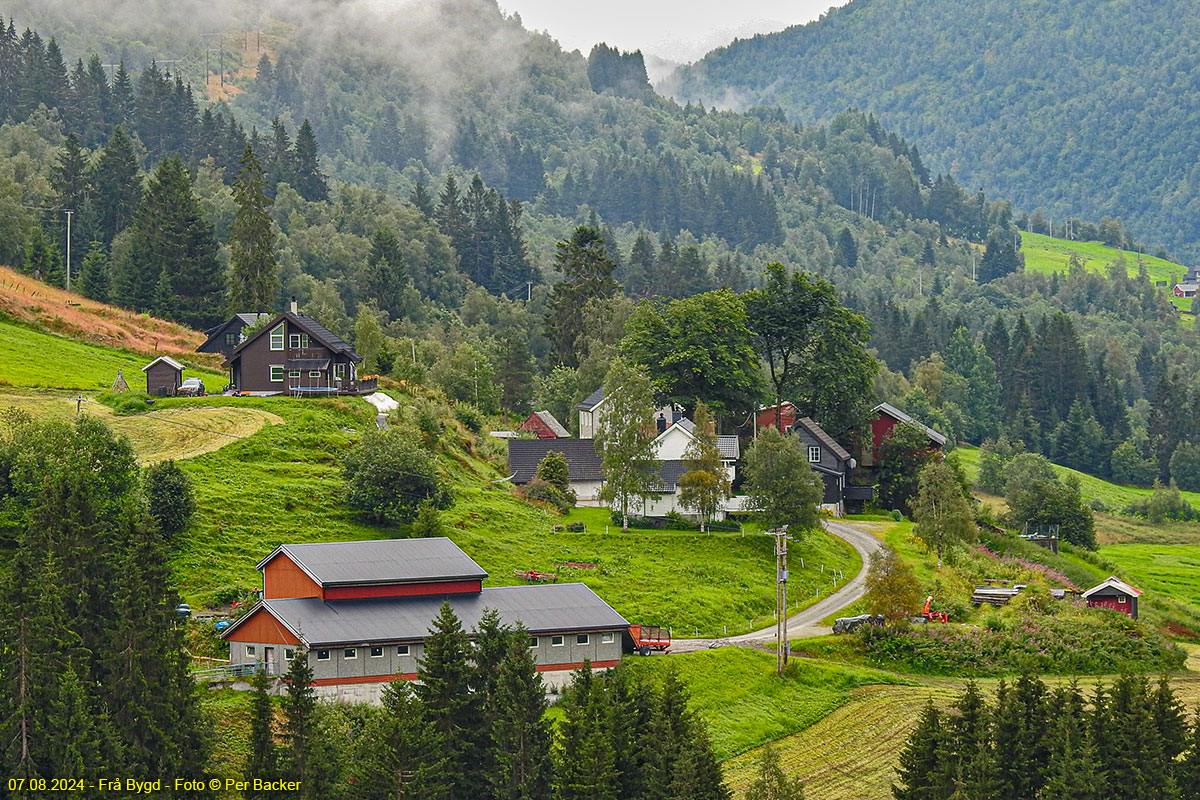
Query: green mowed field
point(1046, 255)
point(1168, 569)
point(32, 358)
point(1114, 495)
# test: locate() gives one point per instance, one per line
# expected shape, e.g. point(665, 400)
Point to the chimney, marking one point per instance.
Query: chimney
point(292, 307)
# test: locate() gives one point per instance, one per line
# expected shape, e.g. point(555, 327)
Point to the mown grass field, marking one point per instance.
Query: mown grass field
point(1046, 255)
point(32, 358)
point(1169, 569)
point(1115, 496)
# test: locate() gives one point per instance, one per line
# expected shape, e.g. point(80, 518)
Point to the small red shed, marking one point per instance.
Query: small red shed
point(543, 425)
point(887, 417)
point(1115, 594)
point(164, 376)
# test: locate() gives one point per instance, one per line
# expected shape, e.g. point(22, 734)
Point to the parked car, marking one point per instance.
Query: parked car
point(192, 387)
point(851, 624)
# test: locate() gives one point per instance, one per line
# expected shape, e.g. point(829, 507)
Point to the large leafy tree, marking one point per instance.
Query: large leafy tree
point(893, 591)
point(696, 349)
point(814, 348)
point(625, 437)
point(253, 273)
point(902, 456)
point(780, 483)
point(389, 474)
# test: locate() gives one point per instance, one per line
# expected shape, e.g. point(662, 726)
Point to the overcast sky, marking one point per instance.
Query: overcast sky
point(679, 30)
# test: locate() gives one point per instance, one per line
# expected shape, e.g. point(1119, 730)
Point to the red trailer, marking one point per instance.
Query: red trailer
point(649, 637)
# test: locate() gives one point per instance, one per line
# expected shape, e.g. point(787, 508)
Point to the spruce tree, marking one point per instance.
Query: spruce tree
point(93, 275)
point(1188, 769)
point(300, 724)
point(253, 272)
point(401, 755)
point(772, 783)
point(114, 177)
point(520, 734)
point(587, 275)
point(585, 766)
point(973, 762)
point(1071, 769)
point(261, 762)
point(452, 708)
point(921, 774)
point(42, 258)
point(310, 182)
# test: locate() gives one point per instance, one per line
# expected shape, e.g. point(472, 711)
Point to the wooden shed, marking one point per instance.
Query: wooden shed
point(164, 376)
point(1115, 594)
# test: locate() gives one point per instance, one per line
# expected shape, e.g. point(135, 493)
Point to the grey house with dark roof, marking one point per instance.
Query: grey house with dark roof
point(294, 354)
point(832, 462)
point(583, 461)
point(361, 611)
point(225, 338)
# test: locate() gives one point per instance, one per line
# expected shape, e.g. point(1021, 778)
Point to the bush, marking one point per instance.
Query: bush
point(1130, 466)
point(544, 490)
point(389, 473)
point(470, 416)
point(127, 402)
point(555, 471)
point(1165, 503)
point(1185, 466)
point(428, 522)
point(171, 497)
point(993, 458)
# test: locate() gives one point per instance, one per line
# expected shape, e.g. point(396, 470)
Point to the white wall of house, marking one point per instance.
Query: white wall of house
point(589, 421)
point(587, 493)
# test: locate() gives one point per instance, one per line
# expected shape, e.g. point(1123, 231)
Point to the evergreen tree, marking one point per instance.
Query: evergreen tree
point(253, 272)
point(1188, 769)
point(118, 189)
point(587, 275)
point(771, 783)
point(93, 275)
point(261, 761)
point(1071, 769)
point(973, 765)
point(310, 182)
point(521, 735)
point(453, 710)
point(171, 497)
point(401, 754)
point(42, 258)
point(1079, 441)
point(921, 774)
point(171, 237)
point(300, 729)
point(584, 767)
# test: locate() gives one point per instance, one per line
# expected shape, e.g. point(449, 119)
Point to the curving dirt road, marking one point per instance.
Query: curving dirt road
point(805, 623)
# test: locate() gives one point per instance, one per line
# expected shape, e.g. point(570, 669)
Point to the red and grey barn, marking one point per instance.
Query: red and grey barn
point(362, 610)
point(887, 417)
point(1115, 594)
point(164, 376)
point(294, 354)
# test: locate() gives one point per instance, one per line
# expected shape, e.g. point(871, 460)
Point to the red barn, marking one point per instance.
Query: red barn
point(765, 418)
point(887, 417)
point(543, 425)
point(1115, 594)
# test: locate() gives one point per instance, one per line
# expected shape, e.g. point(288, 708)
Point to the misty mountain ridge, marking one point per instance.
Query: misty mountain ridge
point(1084, 108)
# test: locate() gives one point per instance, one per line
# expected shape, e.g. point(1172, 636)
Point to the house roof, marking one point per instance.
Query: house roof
point(900, 416)
point(669, 473)
point(310, 326)
point(729, 445)
point(383, 561)
point(1188, 287)
point(592, 400)
point(245, 319)
point(553, 424)
point(824, 438)
point(524, 455)
point(1113, 582)
point(166, 359)
point(544, 608)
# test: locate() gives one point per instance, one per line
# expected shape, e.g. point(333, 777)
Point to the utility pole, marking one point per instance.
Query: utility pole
point(69, 213)
point(782, 646)
point(528, 291)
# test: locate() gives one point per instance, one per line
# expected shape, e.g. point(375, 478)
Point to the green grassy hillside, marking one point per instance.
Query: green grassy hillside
point(32, 358)
point(1046, 254)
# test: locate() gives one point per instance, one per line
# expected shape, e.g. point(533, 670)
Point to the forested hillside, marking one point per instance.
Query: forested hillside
point(1072, 108)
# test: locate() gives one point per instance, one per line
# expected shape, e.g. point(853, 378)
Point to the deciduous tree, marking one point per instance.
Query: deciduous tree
point(625, 438)
point(780, 484)
point(942, 512)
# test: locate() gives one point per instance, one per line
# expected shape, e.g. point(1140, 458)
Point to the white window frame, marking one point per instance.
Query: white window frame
point(271, 372)
point(558, 641)
point(293, 373)
point(324, 657)
point(339, 370)
point(314, 373)
point(607, 638)
point(349, 654)
point(298, 341)
point(534, 642)
point(814, 450)
point(376, 655)
point(583, 638)
point(1122, 598)
point(250, 650)
point(402, 650)
point(276, 335)
point(289, 653)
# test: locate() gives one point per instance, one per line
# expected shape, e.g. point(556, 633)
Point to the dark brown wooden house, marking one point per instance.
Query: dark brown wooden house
point(294, 354)
point(225, 338)
point(164, 375)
